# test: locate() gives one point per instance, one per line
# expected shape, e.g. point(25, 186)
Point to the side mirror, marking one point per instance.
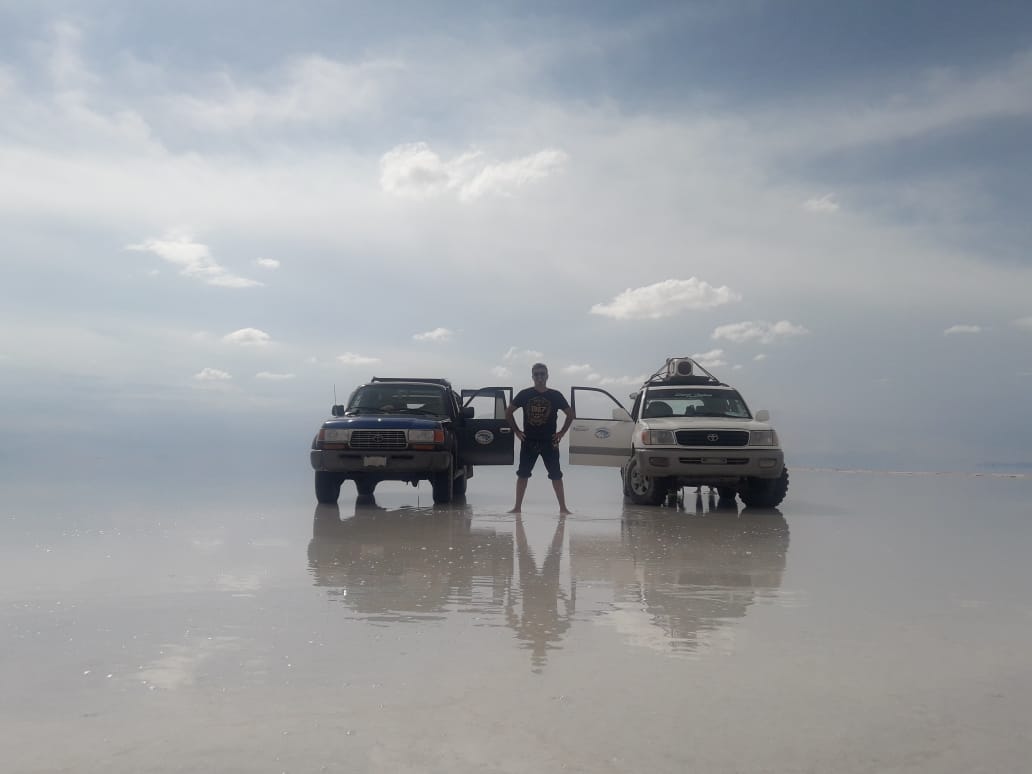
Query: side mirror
point(337, 411)
point(762, 416)
point(621, 415)
point(633, 395)
point(468, 411)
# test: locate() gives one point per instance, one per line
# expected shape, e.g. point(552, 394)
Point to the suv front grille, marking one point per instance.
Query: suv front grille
point(712, 437)
point(378, 439)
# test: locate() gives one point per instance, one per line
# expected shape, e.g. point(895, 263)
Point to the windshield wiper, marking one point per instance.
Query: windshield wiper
point(419, 411)
point(352, 412)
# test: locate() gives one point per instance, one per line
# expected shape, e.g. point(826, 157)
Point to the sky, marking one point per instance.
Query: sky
point(214, 215)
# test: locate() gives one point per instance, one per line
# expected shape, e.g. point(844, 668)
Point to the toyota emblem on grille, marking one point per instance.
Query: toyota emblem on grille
point(378, 438)
point(712, 437)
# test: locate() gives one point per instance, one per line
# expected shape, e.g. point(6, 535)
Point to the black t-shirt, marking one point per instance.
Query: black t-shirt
point(540, 410)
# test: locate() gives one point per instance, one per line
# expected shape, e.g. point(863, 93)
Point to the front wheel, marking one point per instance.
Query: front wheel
point(327, 487)
point(443, 484)
point(365, 486)
point(643, 489)
point(765, 492)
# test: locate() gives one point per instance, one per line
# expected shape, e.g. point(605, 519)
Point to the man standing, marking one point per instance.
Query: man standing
point(538, 438)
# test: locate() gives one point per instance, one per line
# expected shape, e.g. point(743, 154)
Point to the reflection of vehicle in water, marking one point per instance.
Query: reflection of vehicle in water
point(688, 575)
point(408, 563)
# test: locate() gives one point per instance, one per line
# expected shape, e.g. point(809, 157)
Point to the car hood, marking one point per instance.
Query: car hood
point(384, 422)
point(703, 423)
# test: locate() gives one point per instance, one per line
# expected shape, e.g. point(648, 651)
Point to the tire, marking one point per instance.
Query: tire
point(645, 490)
point(459, 487)
point(327, 487)
point(443, 484)
point(624, 484)
point(365, 486)
point(765, 492)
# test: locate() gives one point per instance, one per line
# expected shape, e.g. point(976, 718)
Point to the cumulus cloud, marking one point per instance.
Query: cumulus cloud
point(248, 337)
point(501, 372)
point(1023, 322)
point(763, 332)
point(193, 259)
point(212, 375)
point(712, 359)
point(437, 334)
point(578, 369)
point(273, 377)
point(415, 171)
point(760, 356)
point(665, 298)
point(517, 355)
point(955, 329)
point(268, 263)
point(351, 358)
point(824, 203)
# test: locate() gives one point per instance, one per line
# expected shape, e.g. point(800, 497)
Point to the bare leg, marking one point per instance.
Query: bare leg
point(560, 495)
point(521, 489)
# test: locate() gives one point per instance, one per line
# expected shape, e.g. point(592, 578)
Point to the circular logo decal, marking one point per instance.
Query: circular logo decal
point(483, 437)
point(602, 434)
point(712, 437)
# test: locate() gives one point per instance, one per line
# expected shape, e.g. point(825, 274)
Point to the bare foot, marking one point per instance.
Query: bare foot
point(515, 510)
point(565, 512)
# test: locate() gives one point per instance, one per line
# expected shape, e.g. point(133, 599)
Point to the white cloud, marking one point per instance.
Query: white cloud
point(664, 299)
point(528, 356)
point(577, 369)
point(1023, 322)
point(212, 375)
point(760, 356)
point(194, 260)
point(351, 358)
point(616, 380)
point(416, 171)
point(437, 334)
point(273, 377)
point(268, 263)
point(310, 90)
point(501, 372)
point(764, 332)
point(712, 359)
point(824, 203)
point(954, 329)
point(248, 337)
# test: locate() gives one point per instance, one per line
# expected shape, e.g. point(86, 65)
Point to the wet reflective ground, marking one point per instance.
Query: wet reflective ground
point(875, 623)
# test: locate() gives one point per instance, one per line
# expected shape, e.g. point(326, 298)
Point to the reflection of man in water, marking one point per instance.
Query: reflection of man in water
point(540, 624)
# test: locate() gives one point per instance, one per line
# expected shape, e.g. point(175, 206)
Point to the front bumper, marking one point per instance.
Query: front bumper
point(695, 465)
point(400, 464)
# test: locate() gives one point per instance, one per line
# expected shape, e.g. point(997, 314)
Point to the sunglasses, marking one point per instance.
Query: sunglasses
point(539, 373)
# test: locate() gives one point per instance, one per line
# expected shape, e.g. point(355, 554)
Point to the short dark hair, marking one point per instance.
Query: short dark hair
point(539, 366)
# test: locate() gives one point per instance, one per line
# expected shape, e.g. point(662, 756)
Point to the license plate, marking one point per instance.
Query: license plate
point(714, 460)
point(374, 462)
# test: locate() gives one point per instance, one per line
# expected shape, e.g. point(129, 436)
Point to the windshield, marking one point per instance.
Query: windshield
point(694, 402)
point(397, 399)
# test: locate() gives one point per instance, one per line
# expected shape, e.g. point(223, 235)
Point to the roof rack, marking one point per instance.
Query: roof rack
point(442, 382)
point(683, 370)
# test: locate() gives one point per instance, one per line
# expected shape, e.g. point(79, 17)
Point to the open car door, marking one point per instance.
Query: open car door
point(486, 438)
point(595, 439)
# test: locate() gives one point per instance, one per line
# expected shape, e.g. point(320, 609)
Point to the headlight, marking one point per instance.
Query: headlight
point(763, 438)
point(336, 435)
point(421, 436)
point(658, 437)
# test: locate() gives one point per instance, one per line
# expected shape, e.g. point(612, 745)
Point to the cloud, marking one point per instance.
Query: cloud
point(437, 334)
point(501, 372)
point(309, 90)
point(516, 355)
point(824, 203)
point(577, 369)
point(764, 332)
point(1023, 322)
point(351, 358)
point(248, 337)
point(415, 171)
point(212, 375)
point(712, 359)
point(273, 377)
point(194, 260)
point(267, 263)
point(954, 329)
point(664, 299)
point(760, 356)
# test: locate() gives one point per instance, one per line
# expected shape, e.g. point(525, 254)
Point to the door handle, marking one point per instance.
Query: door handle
point(504, 430)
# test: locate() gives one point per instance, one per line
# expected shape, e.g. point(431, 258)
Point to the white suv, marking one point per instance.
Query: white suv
point(686, 428)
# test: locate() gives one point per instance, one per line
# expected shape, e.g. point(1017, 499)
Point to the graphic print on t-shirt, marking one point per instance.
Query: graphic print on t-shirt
point(537, 411)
